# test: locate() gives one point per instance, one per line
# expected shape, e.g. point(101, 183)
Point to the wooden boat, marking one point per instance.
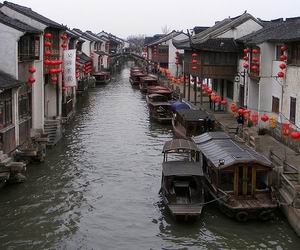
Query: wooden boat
point(181, 184)
point(136, 78)
point(159, 108)
point(237, 177)
point(148, 81)
point(189, 122)
point(102, 77)
point(161, 90)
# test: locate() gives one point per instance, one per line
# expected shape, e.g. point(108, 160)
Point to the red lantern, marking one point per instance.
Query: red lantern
point(283, 58)
point(64, 37)
point(48, 44)
point(295, 135)
point(246, 58)
point(194, 55)
point(209, 91)
point(194, 68)
point(255, 60)
point(53, 79)
point(246, 51)
point(47, 62)
point(283, 48)
point(218, 99)
point(31, 80)
point(48, 35)
point(48, 53)
point(194, 61)
point(280, 74)
point(282, 66)
point(254, 68)
point(77, 74)
point(64, 46)
point(246, 65)
point(264, 118)
point(32, 70)
point(286, 129)
point(255, 51)
point(254, 118)
point(224, 102)
point(233, 107)
point(177, 62)
point(240, 111)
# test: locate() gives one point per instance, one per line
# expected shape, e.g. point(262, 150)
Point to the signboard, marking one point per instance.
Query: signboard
point(70, 68)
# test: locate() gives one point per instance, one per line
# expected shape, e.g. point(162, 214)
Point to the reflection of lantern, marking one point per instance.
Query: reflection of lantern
point(286, 129)
point(295, 135)
point(272, 122)
point(264, 118)
point(233, 107)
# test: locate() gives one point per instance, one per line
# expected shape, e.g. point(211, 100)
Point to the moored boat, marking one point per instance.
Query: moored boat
point(181, 184)
point(102, 77)
point(159, 108)
point(237, 177)
point(135, 78)
point(161, 90)
point(189, 122)
point(148, 81)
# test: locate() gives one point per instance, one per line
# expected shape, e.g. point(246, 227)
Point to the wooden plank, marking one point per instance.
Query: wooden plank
point(253, 180)
point(236, 181)
point(245, 177)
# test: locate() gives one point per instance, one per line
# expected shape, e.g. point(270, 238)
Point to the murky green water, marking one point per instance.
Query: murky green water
point(98, 189)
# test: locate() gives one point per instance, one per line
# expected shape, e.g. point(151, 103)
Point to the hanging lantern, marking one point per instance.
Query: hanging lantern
point(64, 37)
point(273, 122)
point(246, 65)
point(264, 118)
point(194, 55)
point(255, 51)
point(246, 58)
point(194, 61)
point(48, 53)
point(224, 102)
point(285, 129)
point(48, 35)
point(47, 44)
point(283, 48)
point(255, 60)
point(233, 107)
point(254, 68)
point(283, 58)
point(240, 111)
point(32, 70)
point(280, 74)
point(177, 62)
point(64, 46)
point(254, 118)
point(218, 99)
point(209, 91)
point(282, 66)
point(77, 74)
point(194, 68)
point(213, 96)
point(53, 79)
point(47, 62)
point(246, 51)
point(31, 80)
point(246, 113)
point(295, 135)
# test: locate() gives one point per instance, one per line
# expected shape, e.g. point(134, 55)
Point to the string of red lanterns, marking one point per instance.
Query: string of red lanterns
point(283, 59)
point(194, 62)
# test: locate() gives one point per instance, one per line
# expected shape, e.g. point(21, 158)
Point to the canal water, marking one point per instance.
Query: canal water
point(98, 189)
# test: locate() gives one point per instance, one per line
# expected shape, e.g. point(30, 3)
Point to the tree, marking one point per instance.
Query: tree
point(165, 29)
point(136, 43)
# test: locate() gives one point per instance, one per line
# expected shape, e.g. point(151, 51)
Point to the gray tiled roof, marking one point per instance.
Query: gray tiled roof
point(8, 82)
point(218, 44)
point(165, 38)
point(216, 147)
point(16, 24)
point(276, 31)
point(34, 15)
point(82, 35)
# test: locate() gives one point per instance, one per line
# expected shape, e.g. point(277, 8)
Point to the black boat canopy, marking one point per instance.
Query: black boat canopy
point(192, 115)
point(223, 152)
point(179, 144)
point(182, 168)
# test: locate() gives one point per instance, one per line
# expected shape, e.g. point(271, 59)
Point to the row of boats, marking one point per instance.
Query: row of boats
point(203, 164)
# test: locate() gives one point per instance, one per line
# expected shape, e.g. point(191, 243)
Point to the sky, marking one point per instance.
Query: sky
point(147, 17)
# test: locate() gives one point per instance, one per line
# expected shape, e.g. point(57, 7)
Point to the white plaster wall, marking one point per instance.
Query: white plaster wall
point(38, 97)
point(50, 100)
point(243, 29)
point(253, 94)
point(9, 50)
point(172, 55)
point(292, 89)
point(86, 47)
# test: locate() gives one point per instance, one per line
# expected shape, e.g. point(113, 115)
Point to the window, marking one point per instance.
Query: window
point(278, 53)
point(229, 89)
point(5, 109)
point(275, 104)
point(261, 180)
point(293, 109)
point(226, 180)
point(29, 48)
point(294, 54)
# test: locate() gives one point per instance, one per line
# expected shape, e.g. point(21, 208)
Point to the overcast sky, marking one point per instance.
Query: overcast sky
point(130, 17)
